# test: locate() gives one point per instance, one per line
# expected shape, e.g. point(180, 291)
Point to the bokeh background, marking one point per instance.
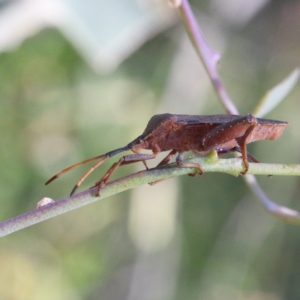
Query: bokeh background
point(80, 78)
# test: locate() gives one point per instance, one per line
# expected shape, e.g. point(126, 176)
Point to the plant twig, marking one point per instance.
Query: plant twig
point(278, 211)
point(208, 56)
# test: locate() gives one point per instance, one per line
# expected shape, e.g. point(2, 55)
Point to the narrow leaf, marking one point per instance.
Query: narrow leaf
point(274, 96)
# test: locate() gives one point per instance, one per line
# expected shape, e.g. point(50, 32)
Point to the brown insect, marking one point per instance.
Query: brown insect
point(181, 133)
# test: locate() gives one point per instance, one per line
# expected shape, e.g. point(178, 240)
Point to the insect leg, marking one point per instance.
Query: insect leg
point(128, 159)
point(166, 160)
point(249, 155)
point(252, 157)
point(228, 131)
point(238, 149)
point(238, 130)
point(179, 161)
point(242, 143)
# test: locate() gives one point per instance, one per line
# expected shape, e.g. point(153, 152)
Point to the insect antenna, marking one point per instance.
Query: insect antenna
point(85, 175)
point(72, 167)
point(102, 158)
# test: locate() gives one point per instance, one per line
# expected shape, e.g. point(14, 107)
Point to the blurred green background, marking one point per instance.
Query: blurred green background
point(84, 78)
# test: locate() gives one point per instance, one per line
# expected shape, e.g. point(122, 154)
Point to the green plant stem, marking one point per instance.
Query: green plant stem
point(210, 163)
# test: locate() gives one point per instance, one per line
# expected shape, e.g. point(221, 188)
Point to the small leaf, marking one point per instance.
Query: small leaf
point(274, 96)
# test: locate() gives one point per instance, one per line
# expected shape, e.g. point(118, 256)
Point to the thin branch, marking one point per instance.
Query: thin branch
point(210, 163)
point(208, 56)
point(281, 212)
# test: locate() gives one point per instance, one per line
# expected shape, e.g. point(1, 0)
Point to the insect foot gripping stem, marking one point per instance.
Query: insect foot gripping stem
point(181, 163)
point(252, 123)
point(127, 159)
